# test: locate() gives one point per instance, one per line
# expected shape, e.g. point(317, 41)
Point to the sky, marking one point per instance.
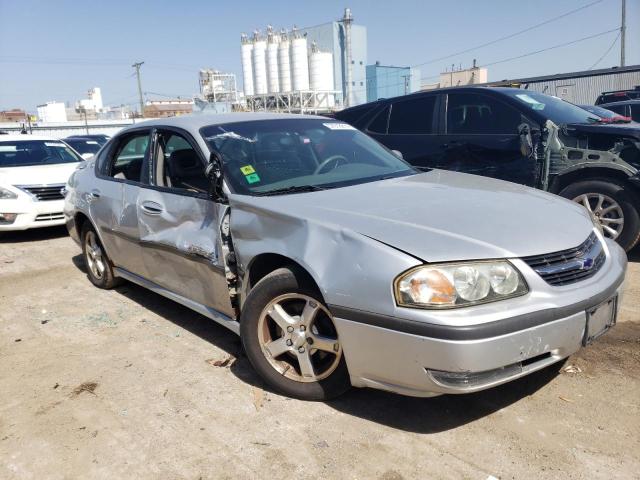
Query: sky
point(57, 50)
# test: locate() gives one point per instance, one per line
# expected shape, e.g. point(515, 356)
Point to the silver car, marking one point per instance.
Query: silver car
point(339, 264)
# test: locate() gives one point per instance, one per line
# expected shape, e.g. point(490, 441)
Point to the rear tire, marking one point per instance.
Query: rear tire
point(605, 191)
point(99, 268)
point(289, 338)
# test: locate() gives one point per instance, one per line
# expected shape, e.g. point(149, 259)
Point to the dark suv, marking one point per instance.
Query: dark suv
point(520, 136)
point(618, 96)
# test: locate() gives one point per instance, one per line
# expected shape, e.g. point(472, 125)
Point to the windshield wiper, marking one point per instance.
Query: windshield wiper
point(287, 190)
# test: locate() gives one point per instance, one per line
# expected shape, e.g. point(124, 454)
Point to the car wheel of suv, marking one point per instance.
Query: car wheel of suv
point(614, 204)
point(99, 268)
point(290, 338)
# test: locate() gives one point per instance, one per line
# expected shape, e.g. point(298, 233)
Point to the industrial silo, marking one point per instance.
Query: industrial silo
point(299, 62)
point(284, 63)
point(258, 56)
point(321, 75)
point(247, 67)
point(273, 80)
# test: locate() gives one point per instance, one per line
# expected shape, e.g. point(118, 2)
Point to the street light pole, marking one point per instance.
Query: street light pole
point(623, 32)
point(137, 66)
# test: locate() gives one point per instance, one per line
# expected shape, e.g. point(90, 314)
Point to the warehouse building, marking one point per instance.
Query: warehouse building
point(579, 87)
point(385, 81)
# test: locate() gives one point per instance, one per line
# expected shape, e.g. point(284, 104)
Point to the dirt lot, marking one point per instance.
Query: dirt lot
point(124, 384)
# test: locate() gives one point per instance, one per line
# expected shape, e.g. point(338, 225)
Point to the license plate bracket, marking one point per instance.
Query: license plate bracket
point(600, 319)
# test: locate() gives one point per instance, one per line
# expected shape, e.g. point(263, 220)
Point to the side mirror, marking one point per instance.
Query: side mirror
point(526, 142)
point(213, 172)
point(398, 154)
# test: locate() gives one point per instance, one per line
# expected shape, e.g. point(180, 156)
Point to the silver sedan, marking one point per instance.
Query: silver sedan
point(339, 264)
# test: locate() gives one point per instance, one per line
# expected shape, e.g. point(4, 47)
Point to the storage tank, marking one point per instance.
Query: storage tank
point(247, 67)
point(299, 62)
point(273, 79)
point(321, 75)
point(284, 63)
point(258, 56)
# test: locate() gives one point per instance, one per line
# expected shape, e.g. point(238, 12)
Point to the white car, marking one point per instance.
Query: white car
point(33, 173)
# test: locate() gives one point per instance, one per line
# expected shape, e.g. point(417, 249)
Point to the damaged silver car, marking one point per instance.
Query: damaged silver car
point(338, 263)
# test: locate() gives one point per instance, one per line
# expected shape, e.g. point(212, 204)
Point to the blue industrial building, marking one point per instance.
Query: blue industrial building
point(385, 81)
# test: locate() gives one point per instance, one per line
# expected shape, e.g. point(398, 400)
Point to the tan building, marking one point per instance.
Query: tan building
point(459, 78)
point(167, 108)
point(13, 115)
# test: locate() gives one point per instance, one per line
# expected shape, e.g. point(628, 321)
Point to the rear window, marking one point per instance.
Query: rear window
point(25, 153)
point(414, 116)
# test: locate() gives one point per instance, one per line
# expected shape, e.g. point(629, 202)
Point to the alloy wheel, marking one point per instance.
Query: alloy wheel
point(606, 210)
point(94, 257)
point(298, 338)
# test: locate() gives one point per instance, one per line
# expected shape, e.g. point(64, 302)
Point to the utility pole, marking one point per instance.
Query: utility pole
point(623, 31)
point(137, 67)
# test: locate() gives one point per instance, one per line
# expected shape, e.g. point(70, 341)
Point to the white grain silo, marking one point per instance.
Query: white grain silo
point(247, 67)
point(321, 75)
point(258, 55)
point(273, 80)
point(284, 63)
point(299, 62)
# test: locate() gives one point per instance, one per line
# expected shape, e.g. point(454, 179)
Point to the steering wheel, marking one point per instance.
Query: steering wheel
point(328, 160)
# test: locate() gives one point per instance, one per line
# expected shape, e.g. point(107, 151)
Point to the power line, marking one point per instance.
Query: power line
point(507, 37)
point(606, 53)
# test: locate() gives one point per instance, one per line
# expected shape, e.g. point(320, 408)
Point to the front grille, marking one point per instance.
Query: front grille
point(569, 266)
point(44, 192)
point(47, 217)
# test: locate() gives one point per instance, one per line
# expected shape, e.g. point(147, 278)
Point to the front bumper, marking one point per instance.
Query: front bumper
point(410, 357)
point(32, 214)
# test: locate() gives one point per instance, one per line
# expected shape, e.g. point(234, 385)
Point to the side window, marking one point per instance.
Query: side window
point(469, 113)
point(178, 165)
point(379, 123)
point(413, 116)
point(129, 156)
point(635, 113)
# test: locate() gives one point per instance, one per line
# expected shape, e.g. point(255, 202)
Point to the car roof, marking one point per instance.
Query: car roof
point(196, 122)
point(15, 137)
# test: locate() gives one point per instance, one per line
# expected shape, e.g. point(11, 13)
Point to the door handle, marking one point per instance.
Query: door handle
point(93, 195)
point(151, 208)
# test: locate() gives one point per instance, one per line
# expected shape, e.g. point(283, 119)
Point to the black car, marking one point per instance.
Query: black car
point(100, 138)
point(628, 108)
point(520, 136)
point(85, 146)
point(618, 96)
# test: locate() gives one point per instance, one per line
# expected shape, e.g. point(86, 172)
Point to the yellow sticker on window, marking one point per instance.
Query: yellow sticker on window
point(247, 170)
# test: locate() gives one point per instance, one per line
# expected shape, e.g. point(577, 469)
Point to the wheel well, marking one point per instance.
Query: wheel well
point(594, 173)
point(79, 221)
point(265, 263)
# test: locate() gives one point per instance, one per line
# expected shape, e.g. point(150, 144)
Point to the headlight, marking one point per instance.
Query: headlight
point(7, 194)
point(459, 284)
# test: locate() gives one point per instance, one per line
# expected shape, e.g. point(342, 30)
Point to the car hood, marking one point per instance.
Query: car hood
point(631, 129)
point(37, 174)
point(441, 216)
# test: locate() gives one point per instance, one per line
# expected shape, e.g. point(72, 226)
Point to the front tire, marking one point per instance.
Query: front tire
point(290, 338)
point(614, 204)
point(99, 269)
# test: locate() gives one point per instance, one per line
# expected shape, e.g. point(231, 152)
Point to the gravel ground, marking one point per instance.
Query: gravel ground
point(126, 384)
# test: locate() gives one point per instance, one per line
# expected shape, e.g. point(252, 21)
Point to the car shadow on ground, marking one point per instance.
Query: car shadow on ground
point(33, 235)
point(419, 415)
point(634, 255)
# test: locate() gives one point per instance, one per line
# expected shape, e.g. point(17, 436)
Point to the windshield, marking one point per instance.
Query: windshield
point(83, 146)
point(556, 110)
point(24, 153)
point(295, 154)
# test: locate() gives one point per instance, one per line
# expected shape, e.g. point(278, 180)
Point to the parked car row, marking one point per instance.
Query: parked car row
point(520, 136)
point(338, 263)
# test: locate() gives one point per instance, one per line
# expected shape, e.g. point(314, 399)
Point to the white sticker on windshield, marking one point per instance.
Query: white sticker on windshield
point(49, 144)
point(92, 142)
point(8, 148)
point(536, 105)
point(338, 126)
